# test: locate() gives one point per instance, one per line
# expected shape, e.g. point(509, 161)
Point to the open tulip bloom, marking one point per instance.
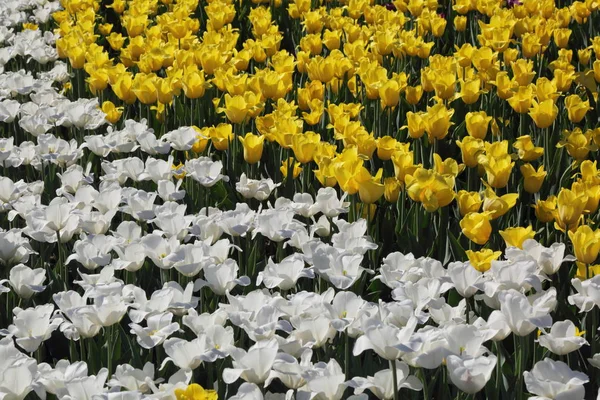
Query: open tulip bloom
point(299, 200)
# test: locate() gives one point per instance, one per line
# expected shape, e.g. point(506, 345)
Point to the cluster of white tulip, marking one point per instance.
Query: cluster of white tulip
point(205, 267)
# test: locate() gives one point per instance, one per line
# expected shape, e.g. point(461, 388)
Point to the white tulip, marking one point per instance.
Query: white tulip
point(551, 379)
point(563, 338)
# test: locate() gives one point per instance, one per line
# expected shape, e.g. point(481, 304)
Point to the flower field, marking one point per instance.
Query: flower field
point(308, 199)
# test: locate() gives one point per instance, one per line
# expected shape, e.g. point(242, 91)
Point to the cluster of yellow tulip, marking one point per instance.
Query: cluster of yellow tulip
point(371, 97)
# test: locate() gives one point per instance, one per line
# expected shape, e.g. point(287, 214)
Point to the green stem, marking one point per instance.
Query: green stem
point(394, 378)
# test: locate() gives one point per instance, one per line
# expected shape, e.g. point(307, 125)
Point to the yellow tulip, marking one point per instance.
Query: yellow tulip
point(386, 146)
point(236, 108)
point(202, 139)
point(470, 149)
point(544, 113)
point(195, 392)
point(392, 187)
point(477, 227)
point(221, 135)
point(585, 271)
point(413, 94)
point(325, 174)
point(389, 94)
point(415, 123)
point(194, 84)
point(470, 90)
point(514, 237)
point(429, 188)
point(370, 189)
point(477, 124)
point(545, 89)
point(533, 179)
point(497, 169)
point(545, 210)
point(496, 205)
point(305, 145)
point(482, 260)
point(286, 164)
point(253, 147)
point(460, 23)
point(404, 164)
point(586, 244)
point(577, 143)
point(448, 167)
point(561, 37)
point(569, 209)
point(437, 121)
point(113, 113)
point(521, 100)
point(523, 71)
point(576, 108)
point(526, 150)
point(468, 202)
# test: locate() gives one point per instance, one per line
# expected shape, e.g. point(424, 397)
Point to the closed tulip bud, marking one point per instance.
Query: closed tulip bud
point(413, 94)
point(477, 227)
point(531, 45)
point(470, 149)
point(460, 23)
point(584, 56)
point(523, 71)
point(504, 85)
point(497, 169)
point(592, 191)
point(533, 179)
point(468, 202)
point(576, 108)
point(522, 99)
point(482, 260)
point(545, 210)
point(470, 90)
point(221, 135)
point(510, 56)
point(561, 37)
point(194, 84)
point(569, 208)
point(438, 121)
point(392, 187)
point(415, 124)
point(514, 237)
point(253, 147)
point(305, 145)
point(544, 113)
point(236, 108)
point(586, 244)
point(389, 93)
point(477, 124)
point(438, 26)
point(403, 164)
